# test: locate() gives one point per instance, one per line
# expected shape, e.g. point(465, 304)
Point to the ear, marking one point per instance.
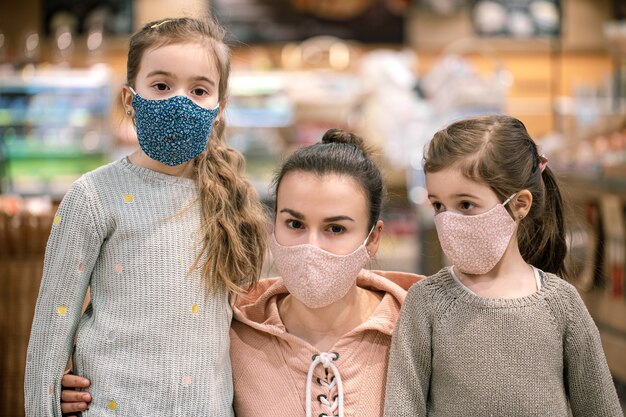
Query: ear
point(520, 205)
point(374, 240)
point(127, 100)
point(220, 113)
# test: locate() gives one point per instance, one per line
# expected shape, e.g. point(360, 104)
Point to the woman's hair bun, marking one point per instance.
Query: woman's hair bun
point(341, 136)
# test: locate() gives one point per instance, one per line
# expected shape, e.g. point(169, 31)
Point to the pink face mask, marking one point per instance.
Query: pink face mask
point(475, 244)
point(314, 276)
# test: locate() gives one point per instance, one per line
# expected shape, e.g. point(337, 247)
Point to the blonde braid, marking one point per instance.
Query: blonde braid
point(234, 223)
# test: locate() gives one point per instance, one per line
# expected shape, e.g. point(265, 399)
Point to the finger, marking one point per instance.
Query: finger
point(73, 407)
point(71, 396)
point(74, 381)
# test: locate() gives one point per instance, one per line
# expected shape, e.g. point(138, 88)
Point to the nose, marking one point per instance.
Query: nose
point(179, 92)
point(313, 238)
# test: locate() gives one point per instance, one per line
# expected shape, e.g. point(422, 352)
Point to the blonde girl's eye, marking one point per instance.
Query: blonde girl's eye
point(294, 224)
point(199, 92)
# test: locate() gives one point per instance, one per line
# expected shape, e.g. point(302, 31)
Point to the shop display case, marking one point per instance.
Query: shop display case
point(24, 229)
point(271, 113)
point(615, 34)
point(259, 123)
point(597, 259)
point(590, 158)
point(53, 127)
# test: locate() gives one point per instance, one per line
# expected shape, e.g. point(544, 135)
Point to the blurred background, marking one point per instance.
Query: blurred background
point(393, 71)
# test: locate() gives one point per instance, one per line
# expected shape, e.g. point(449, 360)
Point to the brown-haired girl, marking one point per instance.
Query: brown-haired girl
point(498, 333)
point(160, 237)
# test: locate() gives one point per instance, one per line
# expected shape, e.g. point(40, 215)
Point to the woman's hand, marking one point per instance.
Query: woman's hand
point(74, 401)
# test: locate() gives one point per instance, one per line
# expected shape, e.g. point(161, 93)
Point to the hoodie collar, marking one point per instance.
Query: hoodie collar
point(259, 308)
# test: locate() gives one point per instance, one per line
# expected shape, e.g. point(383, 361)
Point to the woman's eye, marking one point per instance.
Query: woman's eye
point(294, 224)
point(160, 86)
point(335, 228)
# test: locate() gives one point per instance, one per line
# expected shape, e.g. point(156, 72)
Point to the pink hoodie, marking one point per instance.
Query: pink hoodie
point(270, 366)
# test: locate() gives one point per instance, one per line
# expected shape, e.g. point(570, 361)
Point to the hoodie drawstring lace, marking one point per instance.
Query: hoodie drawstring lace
point(326, 359)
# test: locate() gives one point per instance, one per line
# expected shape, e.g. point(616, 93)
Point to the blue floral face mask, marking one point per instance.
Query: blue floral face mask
point(173, 130)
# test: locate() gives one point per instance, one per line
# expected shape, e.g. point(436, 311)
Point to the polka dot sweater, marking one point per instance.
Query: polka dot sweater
point(454, 353)
point(151, 342)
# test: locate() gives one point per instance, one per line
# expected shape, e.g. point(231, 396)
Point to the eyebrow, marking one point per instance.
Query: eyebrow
point(169, 74)
point(300, 216)
point(159, 72)
point(294, 213)
point(338, 218)
point(462, 195)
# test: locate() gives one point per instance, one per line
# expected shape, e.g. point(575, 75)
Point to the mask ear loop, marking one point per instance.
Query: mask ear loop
point(128, 112)
point(370, 233)
point(507, 202)
point(509, 199)
point(367, 238)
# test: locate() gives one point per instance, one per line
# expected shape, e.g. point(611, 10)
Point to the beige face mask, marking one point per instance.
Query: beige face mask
point(475, 244)
point(314, 276)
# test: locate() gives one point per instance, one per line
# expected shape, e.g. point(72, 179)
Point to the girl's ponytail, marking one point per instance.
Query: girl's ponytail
point(234, 223)
point(542, 236)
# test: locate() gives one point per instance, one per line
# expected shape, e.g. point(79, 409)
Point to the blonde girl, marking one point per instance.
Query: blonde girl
point(498, 333)
point(160, 238)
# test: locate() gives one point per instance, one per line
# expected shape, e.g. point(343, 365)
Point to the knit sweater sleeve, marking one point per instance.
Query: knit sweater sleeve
point(588, 379)
point(408, 376)
point(71, 252)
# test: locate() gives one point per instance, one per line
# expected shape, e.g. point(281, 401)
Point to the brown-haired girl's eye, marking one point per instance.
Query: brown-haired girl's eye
point(199, 92)
point(161, 86)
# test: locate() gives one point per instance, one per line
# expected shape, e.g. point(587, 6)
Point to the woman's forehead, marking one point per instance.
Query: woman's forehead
point(311, 192)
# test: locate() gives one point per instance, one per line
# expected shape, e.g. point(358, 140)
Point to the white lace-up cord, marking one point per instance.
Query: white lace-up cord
point(326, 359)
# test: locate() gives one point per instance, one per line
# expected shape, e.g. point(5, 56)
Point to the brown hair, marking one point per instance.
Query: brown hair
point(342, 153)
point(234, 223)
point(498, 151)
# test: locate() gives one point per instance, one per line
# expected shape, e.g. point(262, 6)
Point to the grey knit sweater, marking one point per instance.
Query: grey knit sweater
point(151, 342)
point(455, 354)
